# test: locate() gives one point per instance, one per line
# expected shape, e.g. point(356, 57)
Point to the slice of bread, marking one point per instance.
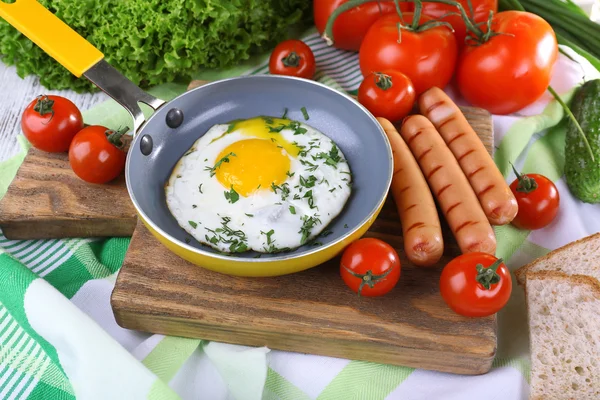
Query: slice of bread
point(564, 324)
point(577, 258)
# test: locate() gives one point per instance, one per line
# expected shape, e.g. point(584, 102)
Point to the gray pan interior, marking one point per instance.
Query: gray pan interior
point(352, 127)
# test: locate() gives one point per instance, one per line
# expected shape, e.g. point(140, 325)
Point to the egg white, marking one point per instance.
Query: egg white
point(264, 221)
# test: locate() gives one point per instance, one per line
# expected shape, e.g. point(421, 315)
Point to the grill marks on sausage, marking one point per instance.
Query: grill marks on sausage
point(414, 136)
point(442, 190)
point(470, 175)
point(398, 171)
point(434, 106)
point(452, 207)
point(404, 189)
point(466, 154)
point(433, 171)
point(458, 136)
point(424, 154)
point(409, 207)
point(487, 189)
point(445, 122)
point(415, 225)
point(465, 224)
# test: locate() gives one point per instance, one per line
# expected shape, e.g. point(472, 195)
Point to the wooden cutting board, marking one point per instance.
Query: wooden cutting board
point(312, 311)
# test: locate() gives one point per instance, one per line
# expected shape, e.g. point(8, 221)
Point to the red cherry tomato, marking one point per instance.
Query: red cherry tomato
point(350, 27)
point(481, 13)
point(538, 201)
point(50, 122)
point(426, 57)
point(512, 69)
point(94, 155)
point(476, 284)
point(293, 58)
point(388, 94)
point(370, 267)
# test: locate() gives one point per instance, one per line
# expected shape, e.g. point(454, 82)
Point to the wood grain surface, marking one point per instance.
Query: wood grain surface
point(47, 200)
point(312, 311)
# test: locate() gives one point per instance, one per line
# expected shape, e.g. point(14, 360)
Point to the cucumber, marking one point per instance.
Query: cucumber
point(581, 173)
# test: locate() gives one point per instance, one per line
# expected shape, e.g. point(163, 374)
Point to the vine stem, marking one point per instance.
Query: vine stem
point(573, 119)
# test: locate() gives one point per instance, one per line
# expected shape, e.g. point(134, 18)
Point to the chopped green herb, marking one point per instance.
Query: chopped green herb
point(305, 113)
point(345, 172)
point(311, 167)
point(258, 187)
point(235, 239)
point(273, 140)
point(346, 226)
point(300, 131)
point(231, 127)
point(332, 158)
point(200, 188)
point(293, 210)
point(296, 197)
point(250, 215)
point(258, 255)
point(277, 129)
point(311, 201)
point(284, 188)
point(326, 233)
point(193, 224)
point(194, 206)
point(324, 180)
point(179, 176)
point(232, 196)
point(269, 234)
point(190, 152)
point(308, 223)
point(285, 111)
point(268, 120)
point(218, 164)
point(332, 190)
point(206, 159)
point(308, 183)
point(317, 244)
point(290, 175)
point(187, 240)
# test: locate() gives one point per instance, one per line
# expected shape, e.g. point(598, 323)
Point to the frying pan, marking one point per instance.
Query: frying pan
point(164, 138)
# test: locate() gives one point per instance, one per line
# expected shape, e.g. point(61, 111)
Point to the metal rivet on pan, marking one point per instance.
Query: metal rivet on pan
point(146, 145)
point(174, 118)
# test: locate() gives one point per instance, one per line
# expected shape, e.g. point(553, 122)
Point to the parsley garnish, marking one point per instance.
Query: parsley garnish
point(311, 201)
point(332, 190)
point(232, 196)
point(277, 129)
point(296, 197)
point(187, 240)
point(308, 183)
point(190, 152)
point(200, 188)
point(258, 255)
point(285, 111)
point(293, 210)
point(179, 176)
point(317, 244)
point(346, 226)
point(269, 234)
point(230, 127)
point(194, 206)
point(235, 239)
point(284, 188)
point(218, 164)
point(193, 224)
point(332, 158)
point(326, 233)
point(290, 175)
point(307, 224)
point(304, 113)
point(250, 215)
point(311, 167)
point(268, 120)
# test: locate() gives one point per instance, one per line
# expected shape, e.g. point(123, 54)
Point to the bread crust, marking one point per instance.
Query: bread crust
point(521, 273)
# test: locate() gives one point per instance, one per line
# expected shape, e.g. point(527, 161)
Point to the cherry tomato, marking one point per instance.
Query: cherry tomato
point(481, 13)
point(95, 155)
point(50, 122)
point(350, 27)
point(538, 201)
point(388, 94)
point(475, 284)
point(426, 57)
point(294, 58)
point(512, 69)
point(370, 267)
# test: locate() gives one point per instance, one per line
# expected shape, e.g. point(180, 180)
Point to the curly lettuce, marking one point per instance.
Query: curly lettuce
point(158, 41)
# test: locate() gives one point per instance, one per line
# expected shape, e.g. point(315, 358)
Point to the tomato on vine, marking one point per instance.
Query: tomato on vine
point(538, 200)
point(475, 284)
point(95, 154)
point(50, 122)
point(370, 267)
point(293, 58)
point(388, 94)
point(421, 48)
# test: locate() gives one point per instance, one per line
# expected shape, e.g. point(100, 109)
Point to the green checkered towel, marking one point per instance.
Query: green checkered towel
point(59, 339)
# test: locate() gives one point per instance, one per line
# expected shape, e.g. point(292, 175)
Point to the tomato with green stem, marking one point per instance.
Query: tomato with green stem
point(478, 10)
point(96, 154)
point(50, 122)
point(389, 94)
point(512, 58)
point(538, 200)
point(351, 22)
point(421, 48)
point(475, 284)
point(370, 267)
point(292, 58)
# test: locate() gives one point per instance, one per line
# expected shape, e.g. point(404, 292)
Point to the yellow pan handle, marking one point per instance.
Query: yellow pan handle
point(51, 34)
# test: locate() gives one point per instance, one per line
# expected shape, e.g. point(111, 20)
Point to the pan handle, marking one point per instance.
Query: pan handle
point(76, 54)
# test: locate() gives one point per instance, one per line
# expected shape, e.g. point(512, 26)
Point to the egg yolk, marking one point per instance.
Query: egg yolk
point(256, 165)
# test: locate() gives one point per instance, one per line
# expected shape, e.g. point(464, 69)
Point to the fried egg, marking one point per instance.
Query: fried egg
point(263, 184)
